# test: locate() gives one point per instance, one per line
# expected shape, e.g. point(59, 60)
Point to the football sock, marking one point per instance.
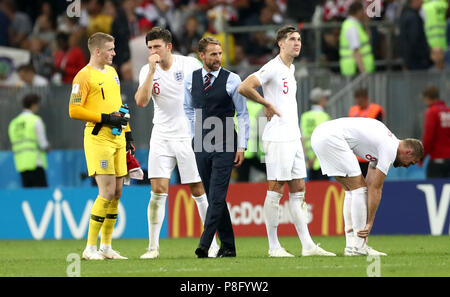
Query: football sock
point(155, 214)
point(98, 214)
point(298, 211)
point(202, 207)
point(348, 219)
point(271, 219)
point(359, 213)
point(108, 224)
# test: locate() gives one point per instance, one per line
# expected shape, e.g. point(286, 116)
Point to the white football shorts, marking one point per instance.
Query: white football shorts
point(333, 152)
point(164, 155)
point(285, 160)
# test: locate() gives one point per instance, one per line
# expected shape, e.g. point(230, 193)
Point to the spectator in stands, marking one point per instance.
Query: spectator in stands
point(355, 48)
point(260, 47)
point(29, 77)
point(97, 20)
point(393, 10)
point(45, 25)
point(69, 58)
point(139, 52)
point(366, 109)
point(189, 37)
point(216, 19)
point(241, 62)
point(72, 27)
point(20, 26)
point(41, 57)
point(330, 48)
point(436, 134)
point(29, 144)
point(336, 10)
point(414, 47)
point(124, 28)
point(247, 12)
point(5, 22)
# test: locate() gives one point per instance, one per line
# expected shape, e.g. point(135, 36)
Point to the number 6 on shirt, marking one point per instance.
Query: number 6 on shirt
point(156, 88)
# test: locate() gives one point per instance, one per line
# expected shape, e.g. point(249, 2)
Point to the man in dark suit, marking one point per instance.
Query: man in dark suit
point(211, 101)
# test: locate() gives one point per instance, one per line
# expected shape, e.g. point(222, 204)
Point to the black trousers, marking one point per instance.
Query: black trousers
point(317, 175)
point(215, 171)
point(34, 178)
point(438, 168)
point(364, 168)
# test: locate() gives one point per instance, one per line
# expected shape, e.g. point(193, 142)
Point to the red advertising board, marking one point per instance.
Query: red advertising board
point(245, 202)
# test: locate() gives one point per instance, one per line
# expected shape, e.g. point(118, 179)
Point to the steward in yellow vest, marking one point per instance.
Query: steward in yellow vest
point(355, 50)
point(435, 22)
point(308, 122)
point(29, 144)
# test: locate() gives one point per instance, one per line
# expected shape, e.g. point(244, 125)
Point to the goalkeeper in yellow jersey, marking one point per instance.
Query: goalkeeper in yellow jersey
point(95, 99)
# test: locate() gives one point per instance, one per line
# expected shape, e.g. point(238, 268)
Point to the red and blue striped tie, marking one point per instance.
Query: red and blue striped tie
point(207, 83)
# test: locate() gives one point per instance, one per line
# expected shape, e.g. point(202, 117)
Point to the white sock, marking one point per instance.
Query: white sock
point(359, 213)
point(297, 208)
point(105, 247)
point(271, 218)
point(155, 214)
point(91, 248)
point(349, 236)
point(202, 207)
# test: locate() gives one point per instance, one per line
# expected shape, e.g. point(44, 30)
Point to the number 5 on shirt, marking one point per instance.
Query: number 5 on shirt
point(285, 87)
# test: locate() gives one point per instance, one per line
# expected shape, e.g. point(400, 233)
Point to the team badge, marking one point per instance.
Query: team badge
point(104, 164)
point(117, 80)
point(179, 76)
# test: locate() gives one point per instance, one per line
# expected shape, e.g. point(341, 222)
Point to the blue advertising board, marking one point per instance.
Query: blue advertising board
point(412, 207)
point(420, 207)
point(63, 213)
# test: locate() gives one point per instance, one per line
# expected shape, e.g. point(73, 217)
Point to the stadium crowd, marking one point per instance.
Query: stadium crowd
point(57, 41)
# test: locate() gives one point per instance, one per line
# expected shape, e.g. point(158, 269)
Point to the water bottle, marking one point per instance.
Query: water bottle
point(125, 112)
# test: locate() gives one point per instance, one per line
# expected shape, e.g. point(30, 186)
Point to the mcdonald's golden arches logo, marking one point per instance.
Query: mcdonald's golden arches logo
point(338, 198)
point(182, 196)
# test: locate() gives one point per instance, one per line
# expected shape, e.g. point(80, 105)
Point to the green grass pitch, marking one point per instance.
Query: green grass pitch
point(407, 256)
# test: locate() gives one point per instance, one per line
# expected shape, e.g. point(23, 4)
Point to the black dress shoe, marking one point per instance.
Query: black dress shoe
point(201, 251)
point(224, 252)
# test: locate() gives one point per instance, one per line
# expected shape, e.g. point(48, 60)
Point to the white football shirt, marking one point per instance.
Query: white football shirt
point(280, 88)
point(169, 119)
point(369, 139)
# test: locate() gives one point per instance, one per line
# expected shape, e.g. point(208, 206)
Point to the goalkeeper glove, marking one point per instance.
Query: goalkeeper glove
point(130, 146)
point(114, 119)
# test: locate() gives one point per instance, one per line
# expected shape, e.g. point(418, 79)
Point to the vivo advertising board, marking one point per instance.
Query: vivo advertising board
point(405, 208)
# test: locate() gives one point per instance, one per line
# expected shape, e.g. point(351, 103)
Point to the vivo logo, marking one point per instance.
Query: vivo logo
point(59, 209)
point(436, 213)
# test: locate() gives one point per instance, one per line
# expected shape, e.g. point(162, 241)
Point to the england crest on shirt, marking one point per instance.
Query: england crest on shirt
point(179, 76)
point(117, 80)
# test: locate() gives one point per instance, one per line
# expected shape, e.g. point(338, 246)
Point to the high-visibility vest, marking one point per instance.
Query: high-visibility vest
point(308, 122)
point(25, 147)
point(435, 22)
point(370, 112)
point(254, 145)
point(347, 60)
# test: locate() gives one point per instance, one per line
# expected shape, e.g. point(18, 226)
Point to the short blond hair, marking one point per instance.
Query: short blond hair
point(417, 147)
point(98, 40)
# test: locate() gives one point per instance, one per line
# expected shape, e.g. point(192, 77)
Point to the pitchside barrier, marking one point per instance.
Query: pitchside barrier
point(412, 207)
point(67, 168)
